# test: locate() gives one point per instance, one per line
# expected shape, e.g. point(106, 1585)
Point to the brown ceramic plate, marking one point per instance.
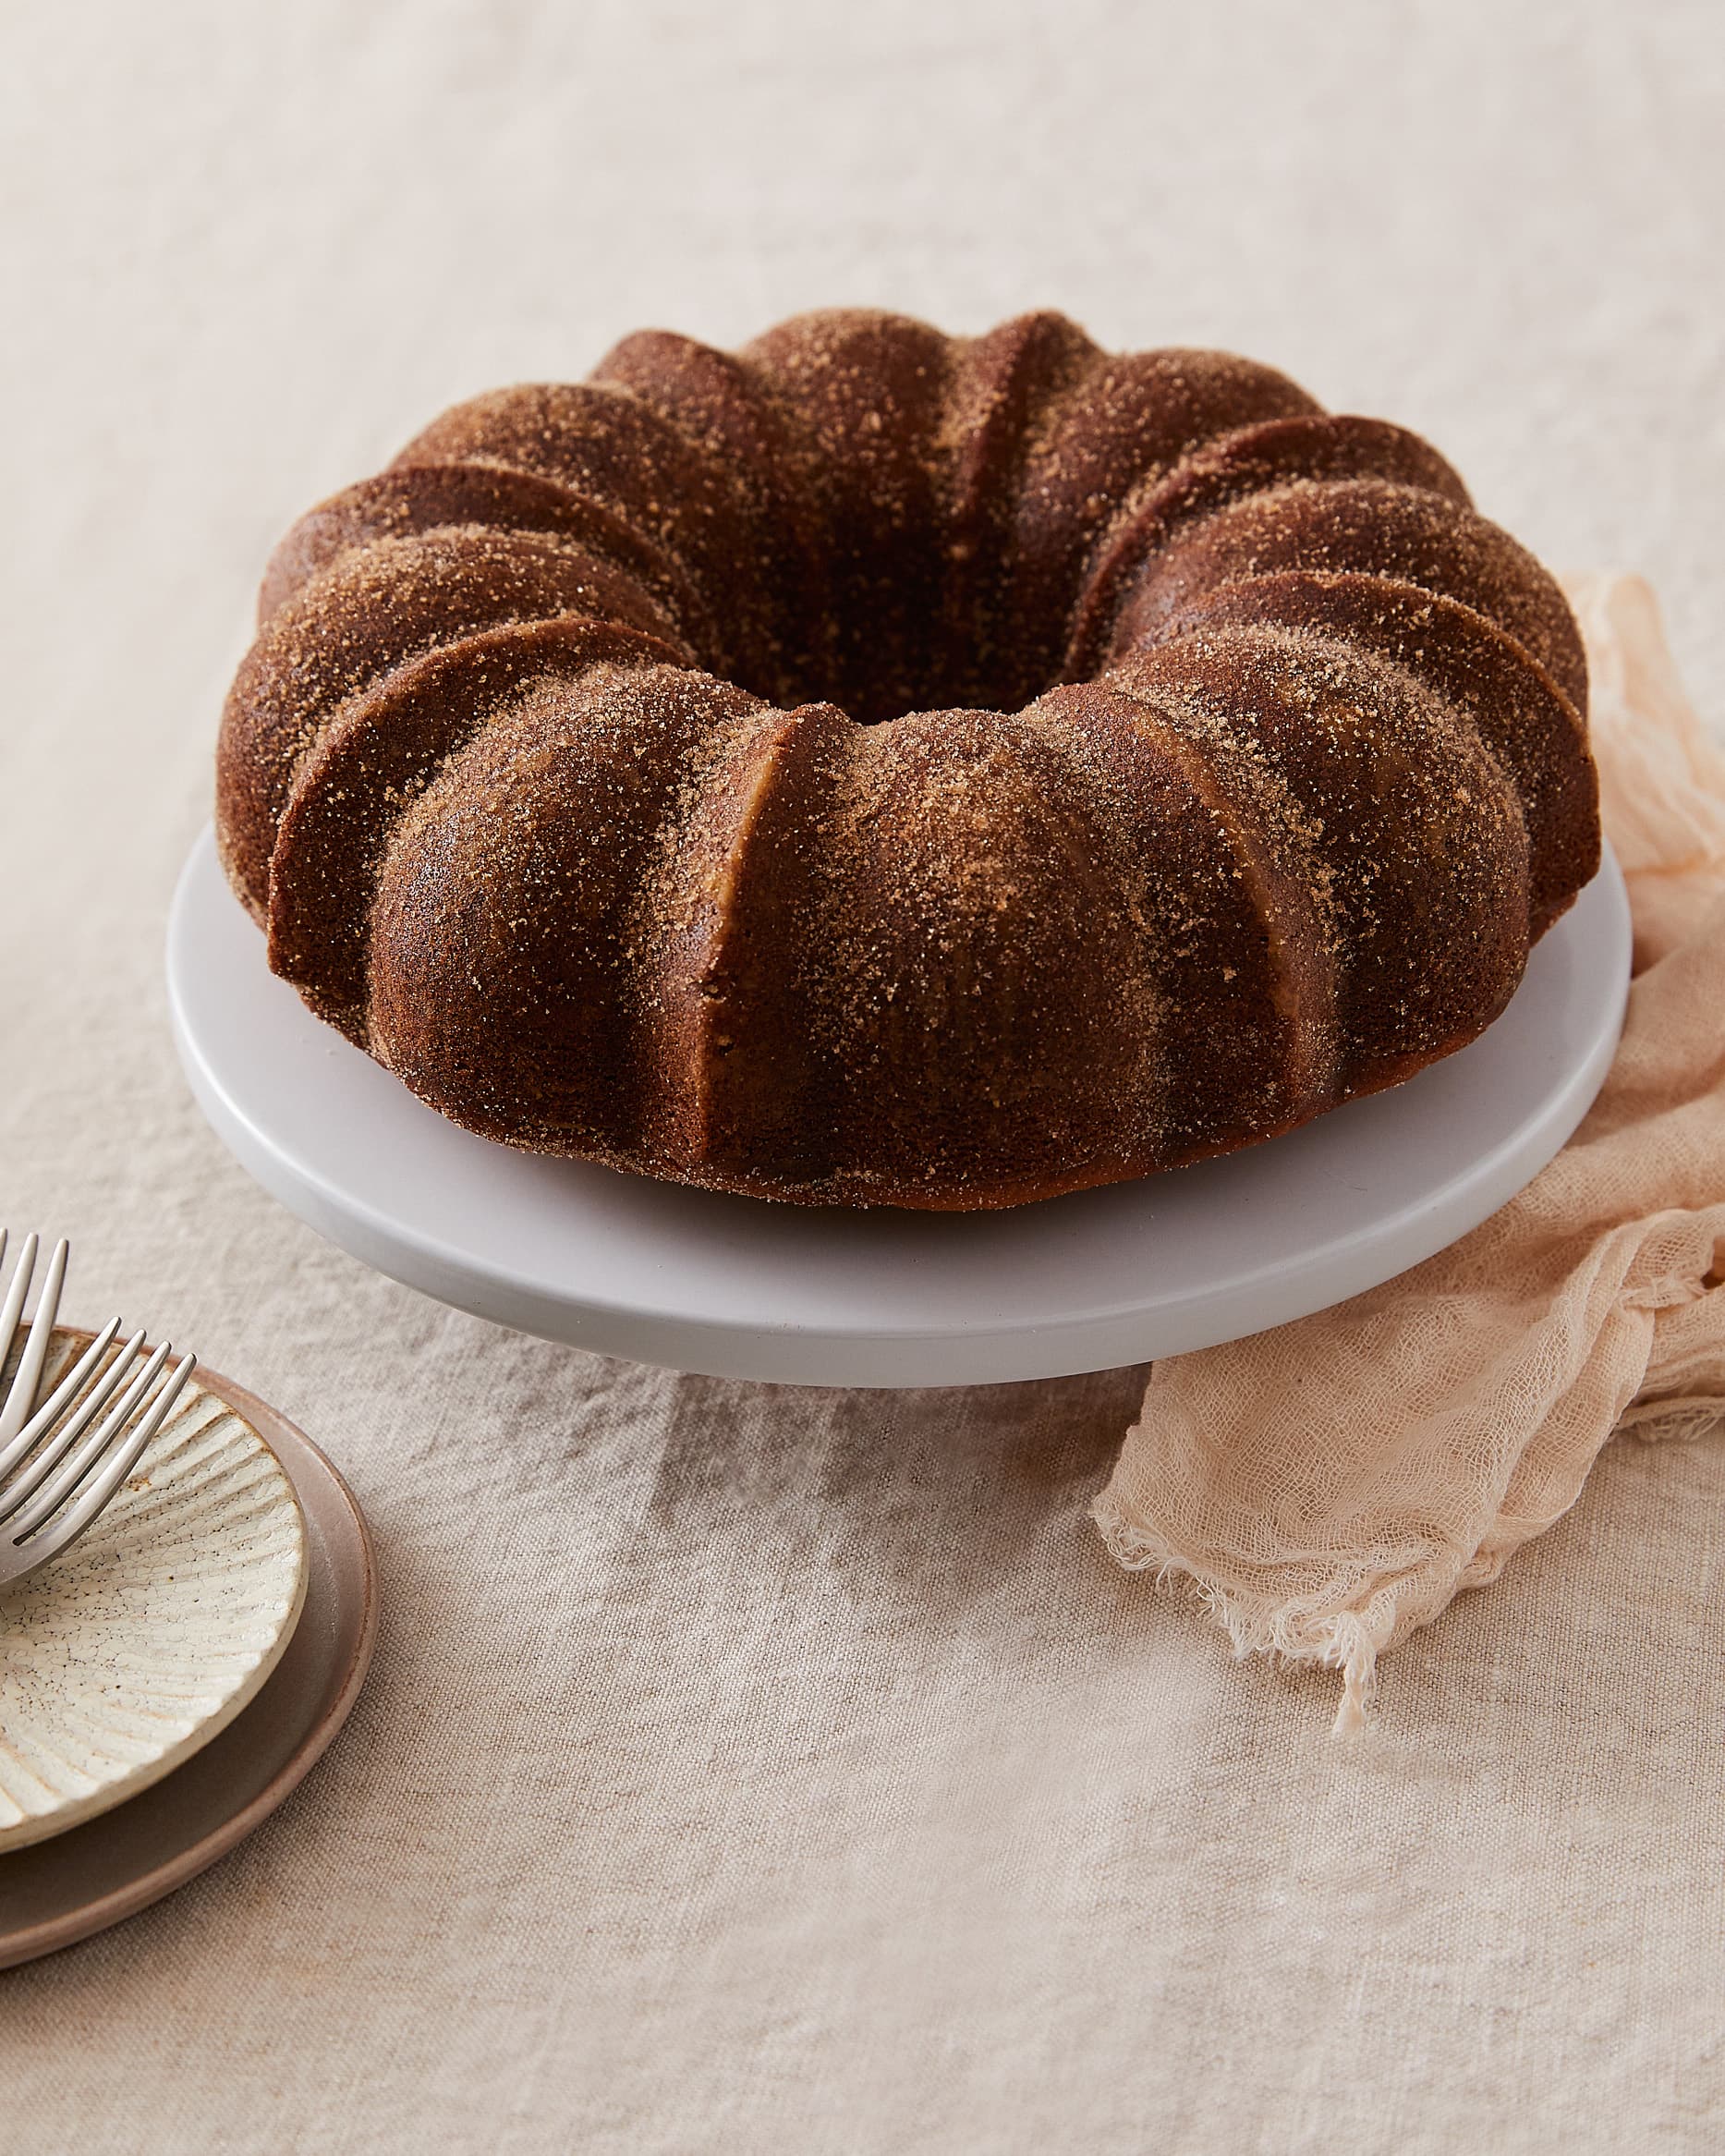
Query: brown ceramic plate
point(56, 1892)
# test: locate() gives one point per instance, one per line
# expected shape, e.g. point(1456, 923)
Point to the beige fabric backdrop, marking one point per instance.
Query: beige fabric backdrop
point(791, 1770)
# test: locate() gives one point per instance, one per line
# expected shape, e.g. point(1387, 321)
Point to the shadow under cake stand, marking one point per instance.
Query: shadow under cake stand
point(740, 1287)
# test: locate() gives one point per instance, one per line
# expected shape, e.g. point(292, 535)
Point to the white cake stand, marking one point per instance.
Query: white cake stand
point(738, 1287)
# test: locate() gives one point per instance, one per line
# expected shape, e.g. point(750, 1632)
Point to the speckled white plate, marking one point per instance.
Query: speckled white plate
point(149, 1636)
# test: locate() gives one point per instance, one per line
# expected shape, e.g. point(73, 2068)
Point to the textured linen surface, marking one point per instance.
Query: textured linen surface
point(748, 1768)
point(1329, 1486)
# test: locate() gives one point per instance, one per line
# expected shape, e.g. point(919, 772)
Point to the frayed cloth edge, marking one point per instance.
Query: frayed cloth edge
point(1344, 1640)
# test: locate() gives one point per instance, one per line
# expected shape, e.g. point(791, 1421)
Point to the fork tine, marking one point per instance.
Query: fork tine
point(93, 1501)
point(47, 1492)
point(13, 1307)
point(66, 1392)
point(22, 1398)
point(18, 1286)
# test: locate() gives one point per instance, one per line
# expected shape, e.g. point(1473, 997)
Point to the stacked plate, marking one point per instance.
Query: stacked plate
point(167, 1682)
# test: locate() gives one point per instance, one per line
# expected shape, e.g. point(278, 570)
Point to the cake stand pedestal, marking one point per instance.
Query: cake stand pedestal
point(738, 1287)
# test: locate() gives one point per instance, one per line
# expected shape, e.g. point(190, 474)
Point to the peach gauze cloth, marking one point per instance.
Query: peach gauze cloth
point(1330, 1485)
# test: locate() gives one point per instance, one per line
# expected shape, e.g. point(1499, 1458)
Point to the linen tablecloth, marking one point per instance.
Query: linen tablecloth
point(758, 1769)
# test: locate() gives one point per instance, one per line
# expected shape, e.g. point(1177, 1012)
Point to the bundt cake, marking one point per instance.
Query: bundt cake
point(883, 768)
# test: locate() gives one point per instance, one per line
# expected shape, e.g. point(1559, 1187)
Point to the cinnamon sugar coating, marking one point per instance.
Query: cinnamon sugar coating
point(883, 768)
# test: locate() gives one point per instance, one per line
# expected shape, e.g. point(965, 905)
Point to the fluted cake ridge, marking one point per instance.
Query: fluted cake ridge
point(882, 767)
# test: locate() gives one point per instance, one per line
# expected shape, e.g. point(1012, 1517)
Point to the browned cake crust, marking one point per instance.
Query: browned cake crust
point(883, 768)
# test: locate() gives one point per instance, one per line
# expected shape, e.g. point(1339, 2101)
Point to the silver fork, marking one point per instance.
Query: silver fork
point(53, 1486)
